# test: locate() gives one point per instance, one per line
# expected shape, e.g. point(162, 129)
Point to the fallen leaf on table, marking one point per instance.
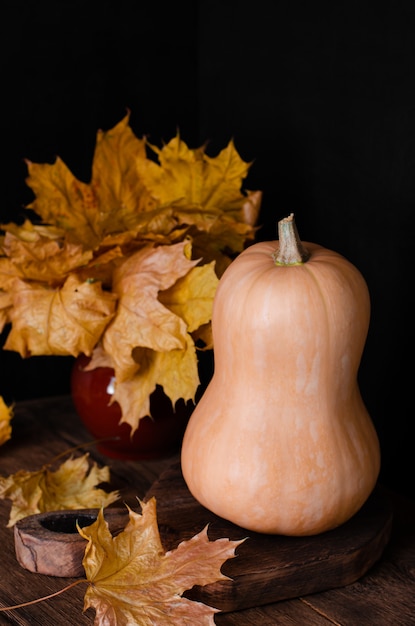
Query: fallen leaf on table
point(6, 414)
point(134, 582)
point(71, 486)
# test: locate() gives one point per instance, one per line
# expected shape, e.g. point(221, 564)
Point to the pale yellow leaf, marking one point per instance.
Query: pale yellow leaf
point(191, 297)
point(199, 188)
point(132, 581)
point(141, 319)
point(66, 202)
point(43, 256)
point(175, 371)
point(115, 179)
point(63, 321)
point(203, 338)
point(72, 486)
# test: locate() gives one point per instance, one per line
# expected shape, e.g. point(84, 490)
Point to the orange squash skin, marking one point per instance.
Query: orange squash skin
point(281, 441)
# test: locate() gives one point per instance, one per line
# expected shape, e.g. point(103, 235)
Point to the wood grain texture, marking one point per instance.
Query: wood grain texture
point(49, 543)
point(43, 428)
point(270, 568)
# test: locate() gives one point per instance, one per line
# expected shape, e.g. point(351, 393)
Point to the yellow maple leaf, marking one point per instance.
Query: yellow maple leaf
point(192, 181)
point(174, 370)
point(202, 336)
point(115, 179)
point(64, 201)
point(225, 239)
point(6, 415)
point(71, 486)
point(131, 193)
point(63, 321)
point(39, 253)
point(110, 203)
point(177, 372)
point(112, 266)
point(142, 320)
point(163, 298)
point(191, 296)
point(133, 581)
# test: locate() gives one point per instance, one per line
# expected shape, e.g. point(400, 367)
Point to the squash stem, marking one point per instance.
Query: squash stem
point(290, 250)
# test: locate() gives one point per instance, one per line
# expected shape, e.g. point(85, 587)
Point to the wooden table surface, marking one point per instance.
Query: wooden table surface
point(384, 596)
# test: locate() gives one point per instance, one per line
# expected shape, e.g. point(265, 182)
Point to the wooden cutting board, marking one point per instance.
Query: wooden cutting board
point(270, 568)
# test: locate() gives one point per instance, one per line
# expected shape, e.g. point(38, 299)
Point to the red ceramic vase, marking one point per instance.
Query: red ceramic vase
point(157, 436)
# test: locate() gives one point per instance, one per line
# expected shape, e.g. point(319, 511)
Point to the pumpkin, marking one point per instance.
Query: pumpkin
point(281, 441)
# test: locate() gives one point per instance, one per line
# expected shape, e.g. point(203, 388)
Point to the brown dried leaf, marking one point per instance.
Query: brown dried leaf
point(63, 321)
point(191, 296)
point(111, 263)
point(141, 320)
point(175, 370)
point(202, 187)
point(71, 486)
point(109, 204)
point(66, 202)
point(132, 580)
point(40, 253)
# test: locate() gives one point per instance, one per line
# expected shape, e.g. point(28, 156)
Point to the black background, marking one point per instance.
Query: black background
point(322, 102)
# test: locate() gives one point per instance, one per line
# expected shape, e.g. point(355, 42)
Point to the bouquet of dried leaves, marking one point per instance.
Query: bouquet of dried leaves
point(124, 268)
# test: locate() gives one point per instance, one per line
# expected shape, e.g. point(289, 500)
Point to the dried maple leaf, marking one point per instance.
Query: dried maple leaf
point(108, 204)
point(198, 186)
point(38, 253)
point(64, 321)
point(113, 265)
point(163, 298)
point(191, 296)
point(175, 370)
point(133, 582)
point(6, 414)
point(86, 211)
point(141, 319)
point(71, 486)
point(131, 193)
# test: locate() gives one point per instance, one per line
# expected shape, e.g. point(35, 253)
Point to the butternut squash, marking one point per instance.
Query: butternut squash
point(281, 441)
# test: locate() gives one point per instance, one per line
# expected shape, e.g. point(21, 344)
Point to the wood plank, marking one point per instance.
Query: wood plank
point(386, 594)
point(42, 429)
point(270, 568)
point(289, 613)
point(50, 426)
point(45, 427)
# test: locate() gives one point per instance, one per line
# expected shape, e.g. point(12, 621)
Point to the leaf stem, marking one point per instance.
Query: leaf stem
point(51, 595)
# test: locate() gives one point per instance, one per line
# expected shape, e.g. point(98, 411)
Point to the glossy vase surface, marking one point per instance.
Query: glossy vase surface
point(157, 436)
